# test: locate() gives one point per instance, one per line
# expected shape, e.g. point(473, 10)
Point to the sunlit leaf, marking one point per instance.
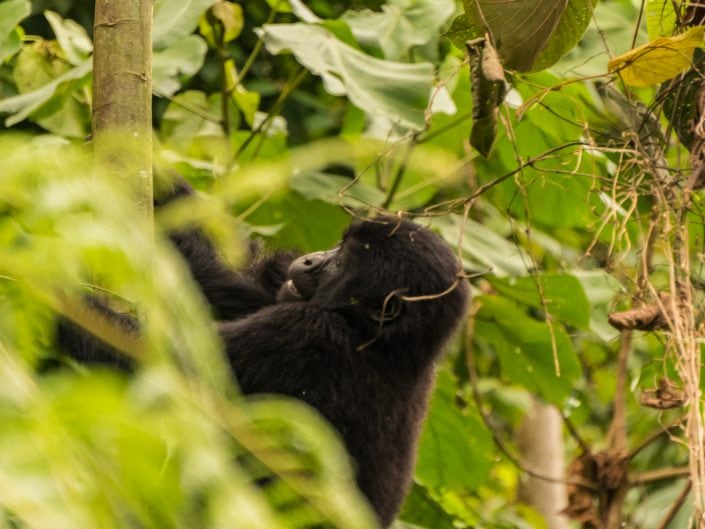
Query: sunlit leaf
point(400, 25)
point(396, 90)
point(176, 19)
point(230, 15)
point(658, 60)
point(21, 106)
point(73, 39)
point(661, 18)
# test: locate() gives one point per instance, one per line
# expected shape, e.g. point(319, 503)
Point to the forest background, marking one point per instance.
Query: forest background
point(565, 171)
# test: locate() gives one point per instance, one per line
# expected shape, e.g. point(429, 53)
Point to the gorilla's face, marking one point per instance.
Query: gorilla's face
point(309, 272)
point(377, 267)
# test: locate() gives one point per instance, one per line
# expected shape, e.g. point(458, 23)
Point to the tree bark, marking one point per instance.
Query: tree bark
point(122, 95)
point(540, 441)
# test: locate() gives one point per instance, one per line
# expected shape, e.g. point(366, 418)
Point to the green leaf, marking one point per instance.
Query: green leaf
point(525, 349)
point(661, 18)
point(23, 105)
point(303, 226)
point(12, 12)
point(534, 34)
point(230, 15)
point(395, 90)
point(182, 58)
point(420, 511)
point(571, 28)
point(227, 18)
point(401, 25)
point(484, 250)
point(335, 189)
point(455, 451)
point(563, 294)
point(72, 38)
point(176, 19)
point(247, 103)
point(190, 114)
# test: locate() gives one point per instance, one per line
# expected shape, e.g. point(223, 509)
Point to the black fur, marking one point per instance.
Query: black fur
point(368, 374)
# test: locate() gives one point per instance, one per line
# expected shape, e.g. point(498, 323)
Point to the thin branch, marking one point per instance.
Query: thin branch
point(298, 77)
point(671, 514)
point(399, 175)
point(659, 474)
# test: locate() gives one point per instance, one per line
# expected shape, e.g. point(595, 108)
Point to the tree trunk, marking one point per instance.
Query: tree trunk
point(540, 440)
point(122, 95)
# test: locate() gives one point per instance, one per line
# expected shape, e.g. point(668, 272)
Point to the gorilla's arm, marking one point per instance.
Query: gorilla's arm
point(82, 346)
point(231, 294)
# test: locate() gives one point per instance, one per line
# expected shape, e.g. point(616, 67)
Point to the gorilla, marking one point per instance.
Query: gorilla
point(353, 332)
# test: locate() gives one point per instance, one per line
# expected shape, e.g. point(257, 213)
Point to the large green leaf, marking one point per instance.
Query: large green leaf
point(175, 19)
point(335, 189)
point(182, 58)
point(395, 90)
point(525, 348)
point(562, 293)
point(530, 34)
point(12, 12)
point(21, 106)
point(401, 25)
point(484, 250)
point(456, 448)
point(72, 38)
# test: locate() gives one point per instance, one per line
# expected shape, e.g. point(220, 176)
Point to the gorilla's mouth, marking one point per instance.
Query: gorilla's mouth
point(290, 292)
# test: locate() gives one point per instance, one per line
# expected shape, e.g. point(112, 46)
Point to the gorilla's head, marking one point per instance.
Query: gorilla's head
point(381, 269)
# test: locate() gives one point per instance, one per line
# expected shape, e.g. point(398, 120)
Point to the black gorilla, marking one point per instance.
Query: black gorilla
point(353, 332)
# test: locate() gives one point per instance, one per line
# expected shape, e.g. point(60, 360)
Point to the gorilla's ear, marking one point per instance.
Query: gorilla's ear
point(391, 308)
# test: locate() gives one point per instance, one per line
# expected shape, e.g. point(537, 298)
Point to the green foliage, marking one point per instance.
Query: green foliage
point(394, 90)
point(547, 30)
point(172, 446)
point(12, 12)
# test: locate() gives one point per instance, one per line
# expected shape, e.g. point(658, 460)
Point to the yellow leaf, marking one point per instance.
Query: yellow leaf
point(659, 60)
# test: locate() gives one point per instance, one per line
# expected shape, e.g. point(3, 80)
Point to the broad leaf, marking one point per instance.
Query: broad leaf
point(335, 189)
point(562, 293)
point(659, 60)
point(525, 347)
point(12, 12)
point(176, 19)
point(456, 449)
point(395, 90)
point(533, 34)
point(72, 38)
point(21, 106)
point(182, 58)
point(661, 18)
point(484, 250)
point(401, 25)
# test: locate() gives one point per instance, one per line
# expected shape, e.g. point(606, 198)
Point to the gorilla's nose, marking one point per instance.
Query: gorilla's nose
point(309, 261)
